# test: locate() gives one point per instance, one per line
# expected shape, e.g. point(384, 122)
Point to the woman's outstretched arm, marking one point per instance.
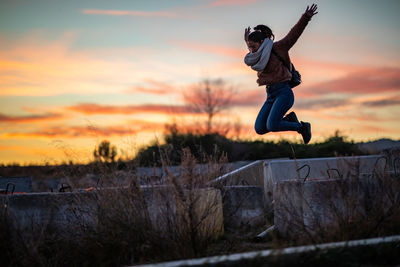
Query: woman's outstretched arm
point(290, 39)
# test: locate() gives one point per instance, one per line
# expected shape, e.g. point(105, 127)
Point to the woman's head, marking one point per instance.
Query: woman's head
point(266, 30)
point(257, 37)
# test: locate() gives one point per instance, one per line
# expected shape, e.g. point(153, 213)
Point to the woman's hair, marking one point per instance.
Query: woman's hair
point(260, 33)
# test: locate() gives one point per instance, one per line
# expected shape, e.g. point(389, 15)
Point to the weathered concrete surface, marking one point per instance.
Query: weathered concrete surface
point(306, 208)
point(251, 174)
point(38, 211)
point(22, 184)
point(319, 168)
point(381, 190)
point(145, 175)
point(288, 207)
point(311, 207)
point(392, 157)
point(49, 184)
point(64, 212)
point(199, 209)
point(243, 207)
point(281, 170)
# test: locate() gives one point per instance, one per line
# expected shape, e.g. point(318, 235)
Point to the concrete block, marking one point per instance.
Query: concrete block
point(392, 157)
point(327, 203)
point(208, 213)
point(313, 206)
point(49, 184)
point(243, 207)
point(251, 174)
point(22, 184)
point(306, 208)
point(382, 191)
point(316, 168)
point(64, 213)
point(59, 212)
point(319, 168)
point(288, 207)
point(198, 209)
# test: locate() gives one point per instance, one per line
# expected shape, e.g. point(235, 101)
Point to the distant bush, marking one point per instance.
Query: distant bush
point(238, 150)
point(175, 143)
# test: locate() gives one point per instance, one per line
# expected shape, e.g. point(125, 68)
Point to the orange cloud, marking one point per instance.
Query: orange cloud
point(88, 108)
point(30, 118)
point(134, 13)
point(86, 131)
point(378, 129)
point(249, 98)
point(34, 65)
point(155, 87)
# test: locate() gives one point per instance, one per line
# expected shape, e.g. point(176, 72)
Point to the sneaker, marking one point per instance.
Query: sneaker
point(291, 117)
point(305, 131)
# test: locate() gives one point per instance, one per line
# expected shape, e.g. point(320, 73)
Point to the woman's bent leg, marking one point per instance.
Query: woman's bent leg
point(261, 122)
point(279, 108)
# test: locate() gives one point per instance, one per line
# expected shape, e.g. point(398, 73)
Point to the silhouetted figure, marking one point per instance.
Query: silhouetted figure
point(272, 62)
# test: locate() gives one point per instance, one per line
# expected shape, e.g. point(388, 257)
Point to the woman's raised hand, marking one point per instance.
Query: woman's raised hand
point(310, 11)
point(246, 34)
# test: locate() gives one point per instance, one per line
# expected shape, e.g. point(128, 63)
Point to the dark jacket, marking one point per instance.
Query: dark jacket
point(275, 71)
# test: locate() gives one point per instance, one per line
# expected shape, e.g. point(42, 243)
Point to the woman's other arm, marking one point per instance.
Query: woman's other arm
point(246, 37)
point(290, 39)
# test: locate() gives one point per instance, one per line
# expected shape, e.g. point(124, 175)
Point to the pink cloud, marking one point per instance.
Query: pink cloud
point(87, 131)
point(155, 87)
point(249, 98)
point(379, 103)
point(320, 103)
point(134, 13)
point(30, 118)
point(352, 115)
point(370, 81)
point(91, 109)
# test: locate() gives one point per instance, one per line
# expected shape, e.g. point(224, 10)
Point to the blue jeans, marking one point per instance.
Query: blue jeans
point(280, 99)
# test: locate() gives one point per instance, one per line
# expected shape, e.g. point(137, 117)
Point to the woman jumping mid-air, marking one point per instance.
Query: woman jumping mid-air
point(271, 60)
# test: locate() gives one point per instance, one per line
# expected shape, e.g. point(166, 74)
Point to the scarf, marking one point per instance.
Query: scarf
point(258, 60)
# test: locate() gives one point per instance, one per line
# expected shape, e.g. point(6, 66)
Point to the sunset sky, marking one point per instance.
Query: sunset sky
point(73, 73)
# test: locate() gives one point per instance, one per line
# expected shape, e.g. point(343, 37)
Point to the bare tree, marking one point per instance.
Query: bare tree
point(105, 152)
point(210, 97)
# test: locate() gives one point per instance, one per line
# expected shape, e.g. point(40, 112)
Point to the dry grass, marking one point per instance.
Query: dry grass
point(118, 225)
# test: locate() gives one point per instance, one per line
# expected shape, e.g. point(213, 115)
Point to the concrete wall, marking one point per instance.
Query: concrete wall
point(243, 207)
point(319, 168)
point(311, 207)
point(280, 170)
point(22, 184)
point(60, 212)
point(66, 212)
point(265, 173)
point(200, 208)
